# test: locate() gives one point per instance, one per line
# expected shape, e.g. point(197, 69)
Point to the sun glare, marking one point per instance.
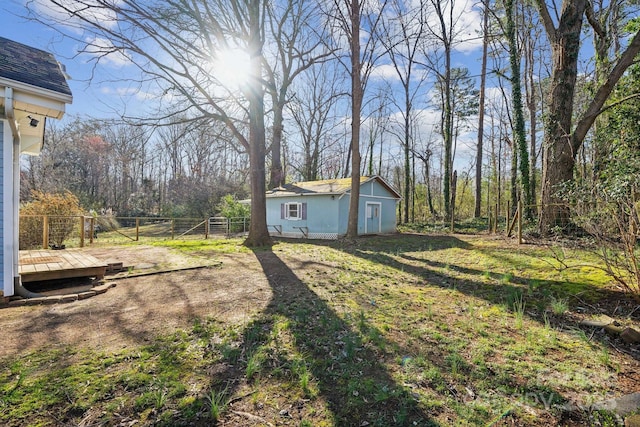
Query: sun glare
point(231, 67)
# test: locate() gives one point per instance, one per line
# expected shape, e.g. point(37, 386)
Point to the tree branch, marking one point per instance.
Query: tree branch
point(595, 107)
point(547, 21)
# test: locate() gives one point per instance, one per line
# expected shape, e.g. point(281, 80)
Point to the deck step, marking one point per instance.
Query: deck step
point(43, 265)
point(115, 267)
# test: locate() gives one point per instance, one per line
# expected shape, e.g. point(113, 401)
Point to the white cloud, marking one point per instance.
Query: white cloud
point(384, 72)
point(134, 92)
point(468, 27)
point(495, 94)
point(467, 24)
point(64, 13)
point(108, 54)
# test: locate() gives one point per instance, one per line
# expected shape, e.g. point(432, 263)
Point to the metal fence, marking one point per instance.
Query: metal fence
point(53, 231)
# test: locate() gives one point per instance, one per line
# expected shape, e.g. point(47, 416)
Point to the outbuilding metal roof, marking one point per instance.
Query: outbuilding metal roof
point(326, 186)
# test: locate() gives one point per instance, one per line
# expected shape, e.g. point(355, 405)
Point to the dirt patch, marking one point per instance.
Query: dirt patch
point(140, 260)
point(139, 308)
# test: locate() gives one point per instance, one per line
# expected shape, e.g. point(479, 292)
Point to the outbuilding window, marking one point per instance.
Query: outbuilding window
point(293, 211)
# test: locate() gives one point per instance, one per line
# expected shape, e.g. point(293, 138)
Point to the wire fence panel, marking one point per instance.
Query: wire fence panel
point(221, 226)
point(57, 232)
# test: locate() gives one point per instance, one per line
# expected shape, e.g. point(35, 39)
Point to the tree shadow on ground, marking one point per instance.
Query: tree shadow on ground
point(348, 374)
point(400, 252)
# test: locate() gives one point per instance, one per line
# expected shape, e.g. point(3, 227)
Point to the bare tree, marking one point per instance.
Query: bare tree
point(175, 43)
point(443, 33)
point(402, 37)
point(349, 17)
point(312, 110)
point(533, 50)
point(377, 125)
point(481, 107)
point(296, 47)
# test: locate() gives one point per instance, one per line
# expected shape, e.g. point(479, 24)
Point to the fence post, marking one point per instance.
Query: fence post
point(490, 220)
point(173, 226)
point(495, 218)
point(82, 231)
point(519, 221)
point(508, 215)
point(45, 232)
point(137, 229)
point(206, 228)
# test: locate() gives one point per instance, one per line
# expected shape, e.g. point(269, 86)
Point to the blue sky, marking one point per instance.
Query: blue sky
point(97, 98)
point(106, 90)
point(100, 91)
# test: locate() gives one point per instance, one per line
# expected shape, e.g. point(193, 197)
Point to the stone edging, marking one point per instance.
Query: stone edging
point(56, 299)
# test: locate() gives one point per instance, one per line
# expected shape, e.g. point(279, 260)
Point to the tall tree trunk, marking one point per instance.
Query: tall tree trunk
point(258, 231)
point(413, 188)
point(519, 132)
point(277, 174)
point(445, 36)
point(372, 140)
point(561, 142)
point(407, 158)
point(532, 101)
point(559, 160)
point(483, 80)
point(532, 147)
point(514, 175)
point(447, 134)
point(356, 107)
point(427, 172)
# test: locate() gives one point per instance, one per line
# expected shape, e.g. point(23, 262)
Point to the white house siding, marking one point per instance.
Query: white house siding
point(6, 235)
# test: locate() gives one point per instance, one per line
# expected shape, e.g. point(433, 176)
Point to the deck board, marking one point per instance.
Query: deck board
point(40, 265)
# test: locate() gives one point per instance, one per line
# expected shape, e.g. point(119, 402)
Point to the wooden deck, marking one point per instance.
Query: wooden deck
point(40, 265)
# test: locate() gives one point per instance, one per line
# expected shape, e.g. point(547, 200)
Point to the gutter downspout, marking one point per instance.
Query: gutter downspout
point(11, 118)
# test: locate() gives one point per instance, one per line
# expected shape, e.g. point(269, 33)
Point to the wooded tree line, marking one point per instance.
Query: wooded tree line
point(515, 99)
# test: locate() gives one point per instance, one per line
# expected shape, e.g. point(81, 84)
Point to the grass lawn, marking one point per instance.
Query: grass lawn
point(402, 330)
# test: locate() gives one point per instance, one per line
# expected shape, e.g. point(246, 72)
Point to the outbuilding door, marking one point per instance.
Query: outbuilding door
point(373, 220)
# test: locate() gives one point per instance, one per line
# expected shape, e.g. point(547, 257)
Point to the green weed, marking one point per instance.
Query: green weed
point(217, 402)
point(254, 364)
point(559, 306)
point(518, 310)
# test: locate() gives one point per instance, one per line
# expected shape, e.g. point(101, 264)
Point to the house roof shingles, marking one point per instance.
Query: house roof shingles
point(31, 66)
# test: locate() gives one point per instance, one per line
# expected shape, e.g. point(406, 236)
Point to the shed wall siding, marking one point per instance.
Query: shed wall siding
point(373, 191)
point(387, 210)
point(327, 218)
point(343, 218)
point(321, 219)
point(379, 191)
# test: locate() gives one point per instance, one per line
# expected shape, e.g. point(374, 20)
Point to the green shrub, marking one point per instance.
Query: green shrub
point(234, 211)
point(230, 207)
point(62, 209)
